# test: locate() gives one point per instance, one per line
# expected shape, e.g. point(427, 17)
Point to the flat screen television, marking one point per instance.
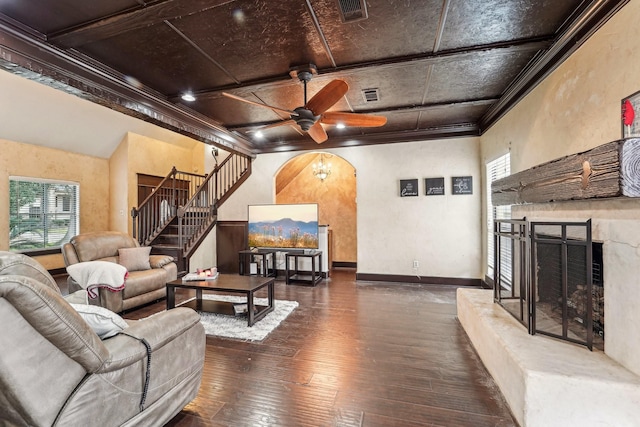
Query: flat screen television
point(293, 226)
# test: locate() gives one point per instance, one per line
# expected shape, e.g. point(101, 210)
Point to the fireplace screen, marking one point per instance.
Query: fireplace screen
point(511, 271)
point(551, 279)
point(566, 300)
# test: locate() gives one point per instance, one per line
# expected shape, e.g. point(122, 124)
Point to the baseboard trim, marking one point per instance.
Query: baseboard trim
point(455, 281)
point(487, 283)
point(345, 264)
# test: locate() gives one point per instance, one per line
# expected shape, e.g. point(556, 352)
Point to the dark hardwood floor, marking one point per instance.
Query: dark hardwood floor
point(352, 354)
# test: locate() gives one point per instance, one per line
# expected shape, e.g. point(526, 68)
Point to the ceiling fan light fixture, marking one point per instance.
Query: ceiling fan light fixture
point(305, 118)
point(188, 96)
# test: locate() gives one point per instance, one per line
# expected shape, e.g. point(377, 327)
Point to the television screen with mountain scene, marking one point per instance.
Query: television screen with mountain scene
point(292, 226)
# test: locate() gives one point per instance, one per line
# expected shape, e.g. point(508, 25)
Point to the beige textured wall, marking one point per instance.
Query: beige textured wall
point(92, 173)
point(120, 212)
point(152, 157)
point(108, 187)
point(336, 198)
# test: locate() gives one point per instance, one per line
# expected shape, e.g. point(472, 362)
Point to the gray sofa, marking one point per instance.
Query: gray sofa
point(141, 287)
point(56, 371)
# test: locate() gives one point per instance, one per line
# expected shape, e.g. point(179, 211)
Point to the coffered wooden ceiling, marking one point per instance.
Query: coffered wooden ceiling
point(438, 68)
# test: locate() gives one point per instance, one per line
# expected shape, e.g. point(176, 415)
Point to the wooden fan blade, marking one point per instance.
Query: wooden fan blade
point(273, 125)
point(318, 133)
point(353, 119)
point(327, 96)
point(237, 98)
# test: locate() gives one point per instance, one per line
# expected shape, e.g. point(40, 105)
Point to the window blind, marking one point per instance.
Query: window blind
point(496, 169)
point(43, 214)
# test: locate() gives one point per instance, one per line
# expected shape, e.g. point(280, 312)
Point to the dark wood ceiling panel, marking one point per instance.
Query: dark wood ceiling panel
point(292, 96)
point(396, 86)
point(253, 39)
point(279, 136)
point(401, 121)
point(234, 113)
point(151, 13)
point(392, 29)
point(484, 75)
point(472, 23)
point(158, 57)
point(46, 16)
point(450, 115)
point(441, 68)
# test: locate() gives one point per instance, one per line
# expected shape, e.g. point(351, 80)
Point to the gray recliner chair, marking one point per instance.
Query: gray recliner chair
point(56, 371)
point(142, 286)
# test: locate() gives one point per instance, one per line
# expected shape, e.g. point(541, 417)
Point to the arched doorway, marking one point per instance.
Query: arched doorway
point(335, 196)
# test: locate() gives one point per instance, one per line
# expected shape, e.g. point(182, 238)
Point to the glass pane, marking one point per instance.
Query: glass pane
point(41, 214)
point(548, 296)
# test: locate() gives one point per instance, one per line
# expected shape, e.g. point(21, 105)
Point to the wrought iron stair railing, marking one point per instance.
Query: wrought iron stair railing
point(183, 207)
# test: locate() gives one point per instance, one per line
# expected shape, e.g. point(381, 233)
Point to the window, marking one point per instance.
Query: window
point(496, 169)
point(42, 214)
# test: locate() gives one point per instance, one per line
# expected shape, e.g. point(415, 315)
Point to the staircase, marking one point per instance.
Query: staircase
point(183, 208)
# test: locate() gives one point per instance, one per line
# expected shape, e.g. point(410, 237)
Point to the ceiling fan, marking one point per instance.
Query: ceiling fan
point(313, 114)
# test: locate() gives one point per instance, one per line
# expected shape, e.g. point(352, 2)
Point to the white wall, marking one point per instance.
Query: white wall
point(441, 232)
point(576, 108)
point(34, 113)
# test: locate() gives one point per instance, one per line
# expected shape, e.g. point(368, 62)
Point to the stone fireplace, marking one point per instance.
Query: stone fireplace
point(548, 382)
point(616, 230)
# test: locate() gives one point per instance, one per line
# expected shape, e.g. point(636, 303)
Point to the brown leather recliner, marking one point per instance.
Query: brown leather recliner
point(141, 287)
point(56, 371)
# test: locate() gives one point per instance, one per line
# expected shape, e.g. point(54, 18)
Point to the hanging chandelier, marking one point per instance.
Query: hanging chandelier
point(321, 170)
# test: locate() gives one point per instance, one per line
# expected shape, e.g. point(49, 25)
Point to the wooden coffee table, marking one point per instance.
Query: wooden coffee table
point(229, 283)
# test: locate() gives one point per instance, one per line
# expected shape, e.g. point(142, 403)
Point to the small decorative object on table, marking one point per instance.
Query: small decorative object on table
point(241, 309)
point(202, 274)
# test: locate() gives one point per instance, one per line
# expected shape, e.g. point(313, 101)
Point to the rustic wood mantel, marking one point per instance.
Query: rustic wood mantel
point(609, 170)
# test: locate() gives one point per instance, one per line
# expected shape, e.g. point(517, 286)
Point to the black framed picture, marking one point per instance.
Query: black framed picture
point(462, 184)
point(434, 186)
point(408, 187)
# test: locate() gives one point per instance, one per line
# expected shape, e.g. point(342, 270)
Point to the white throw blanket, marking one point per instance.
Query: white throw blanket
point(98, 274)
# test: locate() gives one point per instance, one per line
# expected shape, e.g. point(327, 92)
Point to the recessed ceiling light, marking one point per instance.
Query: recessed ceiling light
point(259, 134)
point(340, 126)
point(188, 97)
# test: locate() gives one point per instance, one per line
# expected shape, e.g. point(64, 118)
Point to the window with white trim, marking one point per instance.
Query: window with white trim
point(43, 214)
point(496, 169)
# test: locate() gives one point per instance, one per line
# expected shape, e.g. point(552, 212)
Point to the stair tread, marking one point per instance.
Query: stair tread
point(198, 218)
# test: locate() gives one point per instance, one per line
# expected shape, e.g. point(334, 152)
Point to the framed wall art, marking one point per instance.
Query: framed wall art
point(408, 187)
point(462, 185)
point(434, 186)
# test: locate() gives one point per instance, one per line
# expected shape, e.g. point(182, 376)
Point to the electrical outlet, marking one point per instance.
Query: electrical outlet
point(416, 264)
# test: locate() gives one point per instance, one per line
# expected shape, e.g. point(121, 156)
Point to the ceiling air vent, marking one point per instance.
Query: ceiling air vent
point(370, 95)
point(352, 10)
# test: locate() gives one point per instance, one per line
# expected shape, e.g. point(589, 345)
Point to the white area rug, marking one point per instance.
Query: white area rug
point(236, 327)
